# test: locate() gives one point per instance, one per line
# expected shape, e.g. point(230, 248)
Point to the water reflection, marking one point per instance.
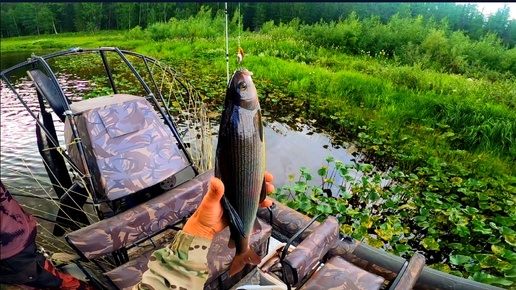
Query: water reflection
point(23, 172)
point(287, 148)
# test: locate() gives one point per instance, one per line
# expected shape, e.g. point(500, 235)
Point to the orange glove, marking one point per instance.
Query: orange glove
point(209, 218)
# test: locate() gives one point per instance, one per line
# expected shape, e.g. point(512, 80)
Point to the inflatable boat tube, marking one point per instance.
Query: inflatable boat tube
point(286, 222)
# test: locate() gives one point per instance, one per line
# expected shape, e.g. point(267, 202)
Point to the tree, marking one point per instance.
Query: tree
point(25, 14)
point(88, 16)
point(509, 36)
point(499, 21)
point(46, 19)
point(67, 18)
point(259, 15)
point(126, 15)
point(9, 24)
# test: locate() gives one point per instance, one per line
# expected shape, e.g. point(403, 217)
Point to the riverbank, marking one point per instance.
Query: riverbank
point(449, 138)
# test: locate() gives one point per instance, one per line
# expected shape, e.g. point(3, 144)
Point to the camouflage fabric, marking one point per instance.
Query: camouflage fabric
point(302, 260)
point(286, 222)
point(127, 146)
point(181, 265)
point(338, 274)
point(141, 221)
point(411, 274)
point(220, 256)
point(130, 273)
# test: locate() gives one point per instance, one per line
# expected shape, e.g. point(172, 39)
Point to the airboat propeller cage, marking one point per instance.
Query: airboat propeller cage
point(127, 147)
point(121, 143)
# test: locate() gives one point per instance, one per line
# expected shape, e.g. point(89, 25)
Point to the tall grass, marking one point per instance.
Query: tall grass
point(326, 65)
point(431, 108)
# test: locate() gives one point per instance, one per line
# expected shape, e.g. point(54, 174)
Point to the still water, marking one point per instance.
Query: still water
point(22, 170)
point(286, 149)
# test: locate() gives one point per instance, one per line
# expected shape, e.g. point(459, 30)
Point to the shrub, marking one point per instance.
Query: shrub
point(159, 31)
point(135, 33)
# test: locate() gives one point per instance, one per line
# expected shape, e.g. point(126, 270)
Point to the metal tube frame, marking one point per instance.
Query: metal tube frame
point(41, 61)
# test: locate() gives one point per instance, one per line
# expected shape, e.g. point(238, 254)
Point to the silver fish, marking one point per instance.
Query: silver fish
point(240, 164)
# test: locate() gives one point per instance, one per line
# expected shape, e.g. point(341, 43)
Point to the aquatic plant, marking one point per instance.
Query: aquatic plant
point(437, 129)
point(462, 225)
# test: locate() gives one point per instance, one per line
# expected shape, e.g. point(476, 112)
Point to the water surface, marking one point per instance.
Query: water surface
point(287, 148)
point(23, 172)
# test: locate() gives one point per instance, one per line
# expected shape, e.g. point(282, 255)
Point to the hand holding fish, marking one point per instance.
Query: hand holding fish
point(209, 218)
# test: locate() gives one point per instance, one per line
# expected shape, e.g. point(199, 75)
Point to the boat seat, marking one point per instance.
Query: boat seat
point(115, 235)
point(339, 274)
point(303, 260)
point(220, 256)
point(127, 146)
point(409, 273)
point(50, 91)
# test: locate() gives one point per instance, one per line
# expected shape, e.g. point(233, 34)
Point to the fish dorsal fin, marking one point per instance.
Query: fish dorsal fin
point(233, 217)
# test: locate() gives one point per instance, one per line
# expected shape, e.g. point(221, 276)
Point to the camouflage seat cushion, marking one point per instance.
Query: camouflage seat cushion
point(308, 254)
point(339, 274)
point(219, 257)
point(144, 220)
point(127, 147)
point(130, 273)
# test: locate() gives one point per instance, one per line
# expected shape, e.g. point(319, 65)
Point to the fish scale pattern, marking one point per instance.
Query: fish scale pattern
point(250, 175)
point(240, 155)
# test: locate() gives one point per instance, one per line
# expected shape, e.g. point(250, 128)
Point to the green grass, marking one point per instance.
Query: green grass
point(436, 128)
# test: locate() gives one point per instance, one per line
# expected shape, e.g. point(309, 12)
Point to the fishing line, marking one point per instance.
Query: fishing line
point(227, 41)
point(239, 22)
point(240, 53)
point(48, 195)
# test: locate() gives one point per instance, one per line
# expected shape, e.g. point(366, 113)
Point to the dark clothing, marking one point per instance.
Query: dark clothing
point(20, 263)
point(28, 268)
point(17, 228)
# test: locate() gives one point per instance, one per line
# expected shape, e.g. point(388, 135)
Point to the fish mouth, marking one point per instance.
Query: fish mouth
point(245, 72)
point(238, 76)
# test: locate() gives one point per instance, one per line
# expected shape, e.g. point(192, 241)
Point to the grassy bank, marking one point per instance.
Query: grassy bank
point(450, 140)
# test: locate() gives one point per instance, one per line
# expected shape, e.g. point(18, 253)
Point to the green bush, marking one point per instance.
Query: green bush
point(159, 31)
point(341, 35)
point(136, 33)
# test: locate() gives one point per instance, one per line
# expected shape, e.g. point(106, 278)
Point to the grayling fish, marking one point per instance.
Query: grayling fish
point(240, 164)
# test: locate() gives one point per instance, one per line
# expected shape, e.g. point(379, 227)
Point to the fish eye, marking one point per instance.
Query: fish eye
point(242, 86)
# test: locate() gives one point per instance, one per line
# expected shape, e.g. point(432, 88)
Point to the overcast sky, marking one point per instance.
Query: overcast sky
point(492, 7)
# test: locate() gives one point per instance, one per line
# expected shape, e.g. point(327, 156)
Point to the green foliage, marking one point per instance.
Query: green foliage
point(38, 18)
point(135, 33)
point(408, 41)
point(450, 138)
point(342, 35)
point(438, 209)
point(203, 25)
point(160, 31)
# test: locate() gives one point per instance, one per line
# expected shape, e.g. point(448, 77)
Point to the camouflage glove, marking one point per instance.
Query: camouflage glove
point(209, 218)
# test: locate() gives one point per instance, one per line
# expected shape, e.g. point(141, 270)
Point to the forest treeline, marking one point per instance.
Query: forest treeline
point(27, 18)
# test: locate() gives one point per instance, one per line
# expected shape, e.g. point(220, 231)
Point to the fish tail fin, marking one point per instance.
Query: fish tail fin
point(247, 257)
